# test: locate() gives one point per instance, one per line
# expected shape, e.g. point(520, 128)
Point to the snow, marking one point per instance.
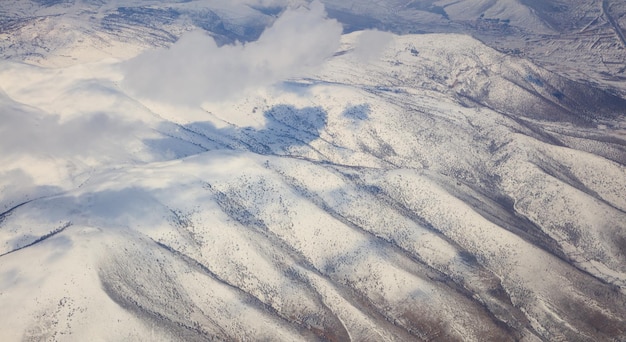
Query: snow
point(359, 201)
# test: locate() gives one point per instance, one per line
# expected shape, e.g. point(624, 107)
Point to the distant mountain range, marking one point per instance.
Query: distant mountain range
point(583, 40)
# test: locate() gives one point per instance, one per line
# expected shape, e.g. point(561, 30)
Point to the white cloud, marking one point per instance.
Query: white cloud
point(195, 69)
point(26, 130)
point(371, 44)
point(40, 153)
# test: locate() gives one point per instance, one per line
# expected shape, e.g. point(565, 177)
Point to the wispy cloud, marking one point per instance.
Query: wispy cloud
point(27, 130)
point(195, 69)
point(371, 44)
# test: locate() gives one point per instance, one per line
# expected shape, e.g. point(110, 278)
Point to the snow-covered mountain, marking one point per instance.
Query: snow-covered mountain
point(583, 39)
point(306, 184)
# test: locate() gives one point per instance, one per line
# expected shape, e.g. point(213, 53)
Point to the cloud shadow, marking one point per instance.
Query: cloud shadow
point(286, 127)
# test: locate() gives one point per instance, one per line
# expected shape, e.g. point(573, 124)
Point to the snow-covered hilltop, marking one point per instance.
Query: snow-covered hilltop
point(305, 185)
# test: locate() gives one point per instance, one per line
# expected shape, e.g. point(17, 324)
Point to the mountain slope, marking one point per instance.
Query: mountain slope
point(440, 191)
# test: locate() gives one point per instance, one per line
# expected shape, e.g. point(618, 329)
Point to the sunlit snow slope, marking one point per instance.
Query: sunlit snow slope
point(442, 191)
